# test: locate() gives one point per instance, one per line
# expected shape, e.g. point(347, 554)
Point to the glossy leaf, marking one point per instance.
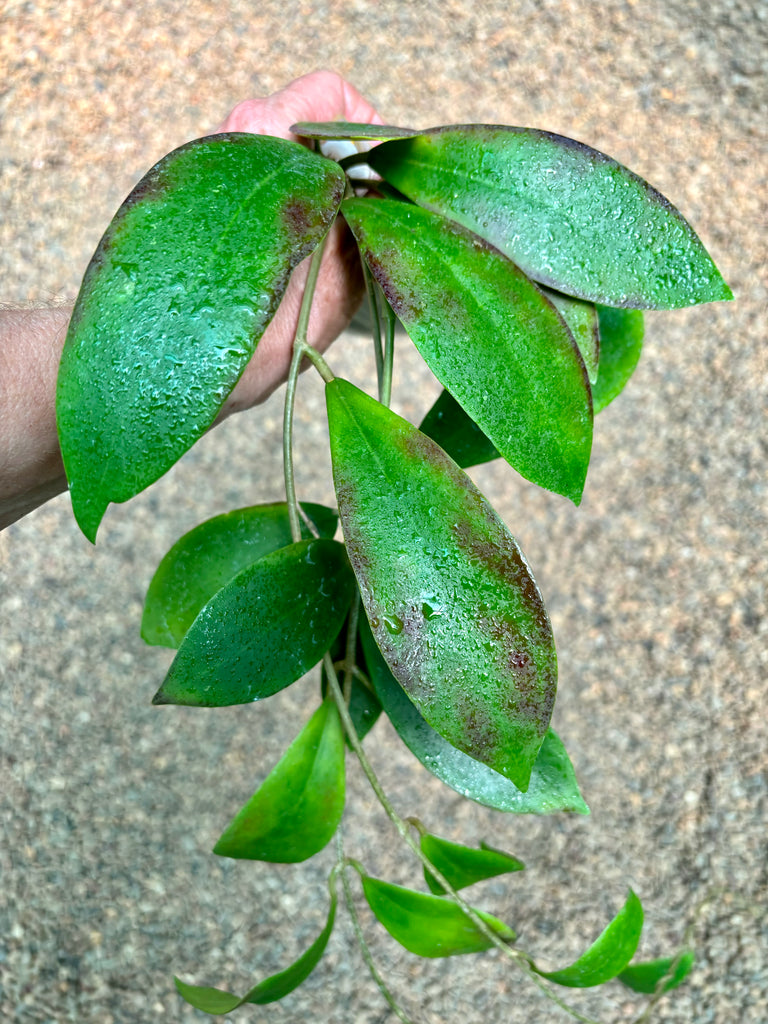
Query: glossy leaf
point(434, 562)
point(350, 130)
point(583, 324)
point(667, 972)
point(297, 809)
point(569, 216)
point(177, 295)
point(621, 342)
point(488, 334)
point(203, 560)
point(265, 628)
point(215, 1000)
point(553, 784)
point(608, 955)
point(462, 865)
point(458, 435)
point(426, 925)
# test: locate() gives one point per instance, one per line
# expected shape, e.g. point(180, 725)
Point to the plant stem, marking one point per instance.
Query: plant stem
point(349, 654)
point(518, 957)
point(301, 348)
point(342, 864)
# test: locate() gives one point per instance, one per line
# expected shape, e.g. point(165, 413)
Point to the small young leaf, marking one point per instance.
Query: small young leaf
point(296, 810)
point(174, 302)
point(427, 925)
point(350, 130)
point(608, 955)
point(621, 342)
point(458, 435)
point(203, 560)
point(569, 216)
point(488, 334)
point(266, 627)
point(462, 865)
point(583, 324)
point(553, 784)
point(667, 971)
point(435, 563)
point(214, 1000)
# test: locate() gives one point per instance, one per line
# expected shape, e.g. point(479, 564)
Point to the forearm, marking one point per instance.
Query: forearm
point(31, 470)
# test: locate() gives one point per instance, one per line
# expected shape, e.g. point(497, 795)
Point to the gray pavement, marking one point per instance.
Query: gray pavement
point(656, 584)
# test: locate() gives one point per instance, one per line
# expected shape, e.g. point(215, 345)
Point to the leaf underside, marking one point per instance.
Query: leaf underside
point(553, 785)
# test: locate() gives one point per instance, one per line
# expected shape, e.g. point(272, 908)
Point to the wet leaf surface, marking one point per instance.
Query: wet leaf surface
point(349, 130)
point(488, 334)
point(568, 215)
point(171, 308)
point(435, 563)
point(204, 559)
point(553, 785)
point(266, 627)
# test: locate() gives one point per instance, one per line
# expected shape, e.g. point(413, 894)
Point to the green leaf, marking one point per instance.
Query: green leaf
point(178, 293)
point(349, 130)
point(266, 627)
point(487, 333)
point(553, 784)
point(462, 865)
point(621, 342)
point(608, 955)
point(583, 324)
point(427, 925)
point(669, 972)
point(435, 563)
point(214, 1000)
point(569, 216)
point(204, 559)
point(458, 435)
point(297, 809)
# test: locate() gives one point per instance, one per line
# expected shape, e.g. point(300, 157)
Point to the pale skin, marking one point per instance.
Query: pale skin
point(31, 470)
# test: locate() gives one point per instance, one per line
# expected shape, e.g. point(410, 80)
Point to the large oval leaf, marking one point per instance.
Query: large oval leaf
point(568, 215)
point(207, 557)
point(428, 925)
point(216, 1000)
point(297, 809)
point(174, 302)
point(488, 334)
point(608, 955)
point(269, 625)
point(449, 596)
point(553, 785)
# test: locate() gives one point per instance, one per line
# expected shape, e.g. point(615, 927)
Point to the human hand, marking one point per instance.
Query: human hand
point(319, 96)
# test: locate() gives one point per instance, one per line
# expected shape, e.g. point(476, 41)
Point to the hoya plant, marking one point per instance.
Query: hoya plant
point(518, 262)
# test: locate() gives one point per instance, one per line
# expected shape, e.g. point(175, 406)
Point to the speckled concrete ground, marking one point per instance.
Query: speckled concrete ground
point(656, 584)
